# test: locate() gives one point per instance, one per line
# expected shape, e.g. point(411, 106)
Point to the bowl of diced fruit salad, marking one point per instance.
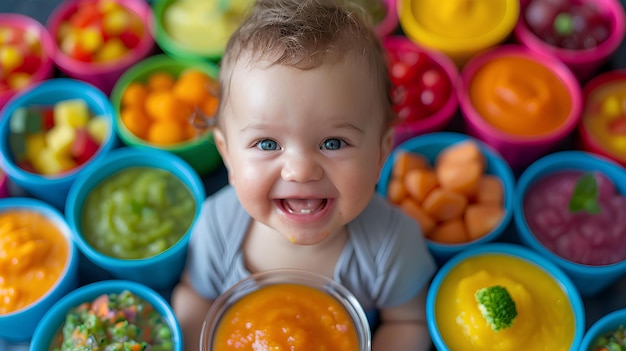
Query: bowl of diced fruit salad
point(583, 34)
point(423, 88)
point(26, 50)
point(48, 133)
point(97, 40)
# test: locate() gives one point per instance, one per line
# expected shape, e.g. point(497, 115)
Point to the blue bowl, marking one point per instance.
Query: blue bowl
point(590, 280)
point(53, 189)
point(515, 251)
point(430, 145)
point(163, 270)
point(19, 326)
point(52, 321)
point(606, 324)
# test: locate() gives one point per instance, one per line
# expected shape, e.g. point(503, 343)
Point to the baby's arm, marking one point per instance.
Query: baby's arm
point(404, 328)
point(190, 309)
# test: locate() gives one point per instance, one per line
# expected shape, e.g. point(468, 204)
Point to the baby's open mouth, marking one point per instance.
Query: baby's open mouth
point(303, 206)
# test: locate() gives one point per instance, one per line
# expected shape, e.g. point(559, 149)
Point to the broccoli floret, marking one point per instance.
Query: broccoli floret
point(496, 306)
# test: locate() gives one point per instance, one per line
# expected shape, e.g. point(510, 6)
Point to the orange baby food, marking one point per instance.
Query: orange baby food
point(33, 254)
point(520, 96)
point(286, 317)
point(544, 321)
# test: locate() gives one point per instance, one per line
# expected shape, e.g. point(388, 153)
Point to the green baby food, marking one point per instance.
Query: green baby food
point(137, 213)
point(120, 322)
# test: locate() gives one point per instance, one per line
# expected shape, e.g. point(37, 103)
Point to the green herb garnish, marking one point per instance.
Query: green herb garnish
point(585, 195)
point(496, 306)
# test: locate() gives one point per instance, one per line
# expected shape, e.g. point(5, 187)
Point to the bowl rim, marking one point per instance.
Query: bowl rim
point(67, 7)
point(616, 11)
point(100, 171)
point(446, 113)
point(502, 169)
point(56, 218)
point(605, 78)
point(606, 323)
point(89, 292)
point(390, 22)
point(82, 90)
point(560, 71)
point(569, 158)
point(419, 33)
point(152, 64)
point(516, 251)
point(258, 280)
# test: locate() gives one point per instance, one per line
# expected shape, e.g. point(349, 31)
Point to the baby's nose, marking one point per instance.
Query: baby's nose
point(301, 168)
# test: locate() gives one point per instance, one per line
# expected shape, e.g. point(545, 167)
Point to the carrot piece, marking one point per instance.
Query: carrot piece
point(462, 152)
point(443, 204)
point(460, 177)
point(481, 219)
point(450, 232)
point(100, 306)
point(396, 191)
point(490, 190)
point(412, 209)
point(406, 160)
point(419, 182)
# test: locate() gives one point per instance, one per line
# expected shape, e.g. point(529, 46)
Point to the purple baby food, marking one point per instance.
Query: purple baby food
point(579, 236)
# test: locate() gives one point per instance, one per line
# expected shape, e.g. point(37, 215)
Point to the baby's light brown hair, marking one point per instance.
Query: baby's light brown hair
point(307, 34)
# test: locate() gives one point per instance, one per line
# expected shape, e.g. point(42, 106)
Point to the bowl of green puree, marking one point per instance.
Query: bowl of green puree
point(133, 212)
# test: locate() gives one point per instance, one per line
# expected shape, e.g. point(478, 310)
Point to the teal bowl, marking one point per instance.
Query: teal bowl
point(53, 320)
point(517, 252)
point(20, 325)
point(53, 189)
point(430, 145)
point(161, 271)
point(589, 279)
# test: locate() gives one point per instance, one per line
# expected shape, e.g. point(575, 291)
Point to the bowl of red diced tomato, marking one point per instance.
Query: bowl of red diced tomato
point(97, 40)
point(109, 315)
point(423, 92)
point(457, 188)
point(569, 207)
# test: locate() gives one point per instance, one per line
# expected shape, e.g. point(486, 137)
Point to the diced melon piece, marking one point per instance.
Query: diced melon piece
point(91, 39)
point(49, 163)
point(98, 128)
point(111, 50)
point(116, 21)
point(18, 80)
point(74, 113)
point(34, 144)
point(60, 138)
point(10, 57)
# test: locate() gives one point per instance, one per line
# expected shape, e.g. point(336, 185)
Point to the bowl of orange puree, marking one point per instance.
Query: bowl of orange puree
point(286, 309)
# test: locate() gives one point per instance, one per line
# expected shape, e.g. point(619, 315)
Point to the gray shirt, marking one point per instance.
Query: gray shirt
point(384, 263)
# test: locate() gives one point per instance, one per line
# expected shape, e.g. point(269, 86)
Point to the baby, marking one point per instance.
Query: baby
point(304, 127)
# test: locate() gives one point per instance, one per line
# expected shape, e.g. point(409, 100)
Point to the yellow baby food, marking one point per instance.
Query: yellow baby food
point(544, 320)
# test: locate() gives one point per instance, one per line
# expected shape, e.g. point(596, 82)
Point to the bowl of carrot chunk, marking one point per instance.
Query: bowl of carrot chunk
point(457, 188)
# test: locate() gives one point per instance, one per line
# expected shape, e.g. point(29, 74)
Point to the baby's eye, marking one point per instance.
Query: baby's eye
point(267, 144)
point(333, 144)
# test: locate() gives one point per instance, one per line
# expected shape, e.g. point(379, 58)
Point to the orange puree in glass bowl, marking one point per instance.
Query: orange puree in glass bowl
point(287, 317)
point(520, 96)
point(33, 254)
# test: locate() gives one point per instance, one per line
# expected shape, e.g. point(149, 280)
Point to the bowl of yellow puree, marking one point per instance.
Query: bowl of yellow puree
point(286, 309)
point(503, 296)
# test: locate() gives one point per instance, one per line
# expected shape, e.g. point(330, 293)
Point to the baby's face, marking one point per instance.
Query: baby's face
point(304, 148)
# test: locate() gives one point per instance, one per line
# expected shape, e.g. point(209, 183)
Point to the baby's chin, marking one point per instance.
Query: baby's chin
point(306, 239)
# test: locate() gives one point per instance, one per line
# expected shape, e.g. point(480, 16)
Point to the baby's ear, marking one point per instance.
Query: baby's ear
point(222, 147)
point(386, 145)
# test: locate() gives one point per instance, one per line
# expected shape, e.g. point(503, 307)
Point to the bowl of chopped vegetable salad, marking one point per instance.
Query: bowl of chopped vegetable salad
point(109, 315)
point(504, 296)
point(607, 333)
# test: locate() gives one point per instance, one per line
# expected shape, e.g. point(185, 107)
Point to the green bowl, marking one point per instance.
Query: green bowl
point(214, 41)
point(200, 153)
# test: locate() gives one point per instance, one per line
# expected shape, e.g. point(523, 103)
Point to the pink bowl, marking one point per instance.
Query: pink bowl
point(45, 70)
point(587, 141)
point(102, 75)
point(584, 63)
point(518, 151)
point(439, 120)
point(389, 24)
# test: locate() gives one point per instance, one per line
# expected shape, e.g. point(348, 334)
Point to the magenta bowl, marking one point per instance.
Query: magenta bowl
point(584, 63)
point(103, 75)
point(595, 143)
point(519, 151)
point(439, 120)
point(45, 69)
point(390, 22)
